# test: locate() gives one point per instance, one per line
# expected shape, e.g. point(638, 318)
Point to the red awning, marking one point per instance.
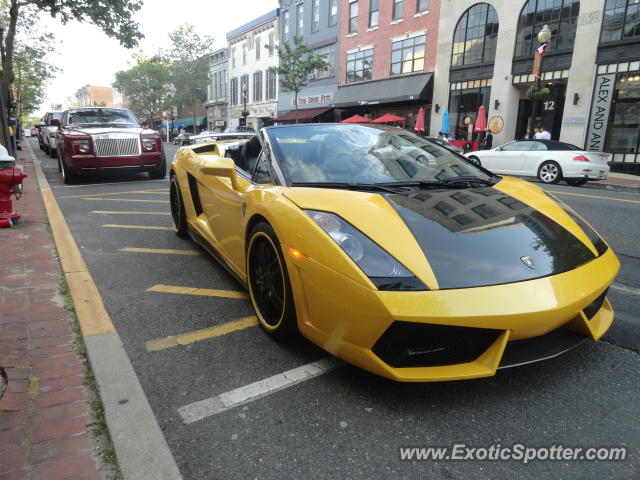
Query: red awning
point(356, 119)
point(308, 114)
point(389, 118)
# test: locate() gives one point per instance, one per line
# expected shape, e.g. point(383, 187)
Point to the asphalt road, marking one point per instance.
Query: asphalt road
point(345, 423)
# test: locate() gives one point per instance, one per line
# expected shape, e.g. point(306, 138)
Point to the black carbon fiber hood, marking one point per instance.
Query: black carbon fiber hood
point(482, 236)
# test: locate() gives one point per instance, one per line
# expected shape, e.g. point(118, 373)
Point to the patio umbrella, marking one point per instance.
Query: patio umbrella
point(445, 126)
point(420, 121)
point(481, 120)
point(356, 119)
point(389, 118)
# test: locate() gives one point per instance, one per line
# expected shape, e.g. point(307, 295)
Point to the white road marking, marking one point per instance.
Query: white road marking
point(211, 406)
point(620, 287)
point(110, 183)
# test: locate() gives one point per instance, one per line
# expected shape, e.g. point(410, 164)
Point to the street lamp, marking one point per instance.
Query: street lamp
point(544, 36)
point(245, 113)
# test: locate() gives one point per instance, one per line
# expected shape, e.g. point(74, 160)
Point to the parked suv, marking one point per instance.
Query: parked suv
point(47, 135)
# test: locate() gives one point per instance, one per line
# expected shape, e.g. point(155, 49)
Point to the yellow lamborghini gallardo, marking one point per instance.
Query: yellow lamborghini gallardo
point(394, 253)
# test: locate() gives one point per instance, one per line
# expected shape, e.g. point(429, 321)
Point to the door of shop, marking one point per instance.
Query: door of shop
point(549, 112)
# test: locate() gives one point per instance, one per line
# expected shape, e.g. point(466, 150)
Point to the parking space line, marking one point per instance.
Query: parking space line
point(140, 227)
point(109, 183)
point(160, 250)
point(129, 213)
point(594, 196)
point(205, 292)
point(125, 200)
point(212, 406)
point(199, 335)
point(159, 191)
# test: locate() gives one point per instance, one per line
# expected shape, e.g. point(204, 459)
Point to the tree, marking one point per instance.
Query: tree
point(297, 62)
point(114, 17)
point(189, 57)
point(146, 84)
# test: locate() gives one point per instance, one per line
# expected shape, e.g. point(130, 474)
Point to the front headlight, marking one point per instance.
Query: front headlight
point(383, 270)
point(597, 241)
point(148, 145)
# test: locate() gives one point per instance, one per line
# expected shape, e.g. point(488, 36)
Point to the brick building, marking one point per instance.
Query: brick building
point(387, 57)
point(91, 95)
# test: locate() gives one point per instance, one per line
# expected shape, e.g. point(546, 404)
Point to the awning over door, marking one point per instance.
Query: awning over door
point(394, 89)
point(303, 115)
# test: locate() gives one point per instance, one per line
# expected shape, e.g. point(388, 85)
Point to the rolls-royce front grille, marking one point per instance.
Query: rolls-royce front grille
point(117, 147)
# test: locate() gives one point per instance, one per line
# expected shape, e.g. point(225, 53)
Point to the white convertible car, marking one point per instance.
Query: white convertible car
point(548, 160)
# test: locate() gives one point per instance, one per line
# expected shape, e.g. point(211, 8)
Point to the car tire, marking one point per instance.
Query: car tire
point(575, 182)
point(160, 173)
point(53, 153)
point(475, 160)
point(549, 172)
point(47, 150)
point(269, 285)
point(178, 213)
point(59, 165)
point(67, 177)
point(40, 145)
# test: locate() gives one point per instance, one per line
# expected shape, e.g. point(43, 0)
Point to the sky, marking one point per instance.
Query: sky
point(85, 55)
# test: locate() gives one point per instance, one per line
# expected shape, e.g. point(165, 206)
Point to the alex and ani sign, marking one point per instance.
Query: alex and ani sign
point(600, 109)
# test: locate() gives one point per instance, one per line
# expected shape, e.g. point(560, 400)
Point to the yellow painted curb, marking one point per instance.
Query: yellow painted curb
point(90, 311)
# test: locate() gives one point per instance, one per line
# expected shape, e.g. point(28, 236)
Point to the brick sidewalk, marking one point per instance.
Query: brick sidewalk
point(45, 427)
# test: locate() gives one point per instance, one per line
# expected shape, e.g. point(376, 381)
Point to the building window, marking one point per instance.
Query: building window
point(408, 55)
point(374, 13)
point(560, 15)
point(285, 21)
point(398, 9)
point(299, 18)
point(333, 12)
point(329, 54)
point(271, 46)
point(475, 37)
point(271, 85)
point(257, 48)
point(359, 65)
point(244, 53)
point(353, 16)
point(621, 20)
point(464, 104)
point(233, 58)
point(244, 88)
point(623, 133)
point(315, 19)
point(257, 86)
point(233, 98)
point(422, 6)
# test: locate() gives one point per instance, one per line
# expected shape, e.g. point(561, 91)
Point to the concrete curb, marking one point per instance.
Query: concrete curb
point(141, 448)
point(612, 187)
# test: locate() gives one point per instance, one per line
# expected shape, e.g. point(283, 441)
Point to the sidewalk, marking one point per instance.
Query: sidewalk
point(617, 181)
point(45, 424)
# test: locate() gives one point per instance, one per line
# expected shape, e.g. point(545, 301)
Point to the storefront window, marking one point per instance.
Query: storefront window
point(623, 134)
point(359, 65)
point(621, 20)
point(560, 15)
point(464, 104)
point(408, 55)
point(475, 37)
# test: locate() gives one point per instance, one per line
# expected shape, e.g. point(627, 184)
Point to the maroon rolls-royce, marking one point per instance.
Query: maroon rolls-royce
point(95, 140)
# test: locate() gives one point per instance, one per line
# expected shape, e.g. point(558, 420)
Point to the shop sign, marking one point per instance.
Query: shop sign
point(600, 108)
point(313, 99)
point(219, 123)
point(496, 124)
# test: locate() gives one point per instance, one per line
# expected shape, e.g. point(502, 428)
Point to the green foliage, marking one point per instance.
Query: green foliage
point(536, 94)
point(189, 57)
point(297, 62)
point(147, 84)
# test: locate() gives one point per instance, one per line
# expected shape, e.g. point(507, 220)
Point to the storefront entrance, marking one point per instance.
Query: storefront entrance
point(549, 111)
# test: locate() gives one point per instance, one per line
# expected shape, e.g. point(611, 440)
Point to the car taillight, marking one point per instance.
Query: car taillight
point(581, 158)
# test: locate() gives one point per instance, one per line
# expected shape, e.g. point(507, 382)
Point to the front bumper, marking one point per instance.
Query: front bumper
point(90, 164)
point(531, 319)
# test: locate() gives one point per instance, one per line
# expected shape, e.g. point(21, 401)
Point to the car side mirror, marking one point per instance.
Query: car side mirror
point(55, 122)
point(221, 167)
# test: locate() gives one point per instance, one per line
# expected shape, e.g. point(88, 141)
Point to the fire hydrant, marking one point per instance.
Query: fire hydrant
point(11, 178)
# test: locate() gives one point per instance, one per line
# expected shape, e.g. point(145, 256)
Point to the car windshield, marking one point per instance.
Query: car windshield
point(101, 116)
point(364, 154)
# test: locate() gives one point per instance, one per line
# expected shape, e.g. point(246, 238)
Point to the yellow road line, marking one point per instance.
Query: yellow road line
point(139, 227)
point(126, 200)
point(128, 213)
point(160, 250)
point(199, 335)
point(594, 196)
point(206, 292)
point(156, 192)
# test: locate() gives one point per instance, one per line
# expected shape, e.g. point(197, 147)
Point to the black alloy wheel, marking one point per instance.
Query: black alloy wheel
point(177, 208)
point(269, 286)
